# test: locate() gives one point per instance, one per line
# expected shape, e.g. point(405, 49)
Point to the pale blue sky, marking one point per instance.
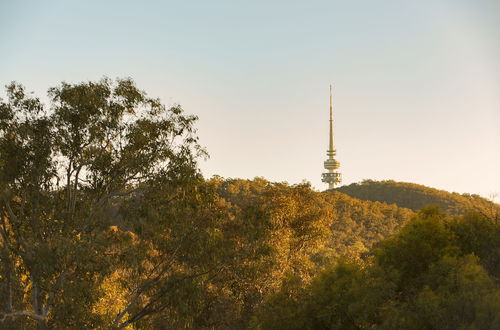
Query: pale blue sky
point(416, 83)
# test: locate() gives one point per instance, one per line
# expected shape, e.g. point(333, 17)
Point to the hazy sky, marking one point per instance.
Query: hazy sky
point(416, 83)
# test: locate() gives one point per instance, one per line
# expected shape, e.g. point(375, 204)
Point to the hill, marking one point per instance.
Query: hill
point(353, 225)
point(107, 223)
point(415, 196)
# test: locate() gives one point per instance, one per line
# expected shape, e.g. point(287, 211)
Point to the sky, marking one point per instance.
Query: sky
point(416, 83)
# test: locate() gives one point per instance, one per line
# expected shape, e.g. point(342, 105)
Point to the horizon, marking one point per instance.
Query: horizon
point(415, 87)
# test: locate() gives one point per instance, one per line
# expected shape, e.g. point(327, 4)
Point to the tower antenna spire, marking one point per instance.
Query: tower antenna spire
point(332, 177)
point(331, 120)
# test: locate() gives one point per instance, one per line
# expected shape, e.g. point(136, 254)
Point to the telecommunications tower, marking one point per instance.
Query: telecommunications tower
point(332, 177)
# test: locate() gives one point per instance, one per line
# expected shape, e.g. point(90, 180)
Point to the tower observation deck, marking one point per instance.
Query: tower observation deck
point(332, 177)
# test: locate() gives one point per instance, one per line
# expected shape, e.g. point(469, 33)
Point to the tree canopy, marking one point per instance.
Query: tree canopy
point(107, 223)
point(64, 171)
point(415, 196)
point(427, 276)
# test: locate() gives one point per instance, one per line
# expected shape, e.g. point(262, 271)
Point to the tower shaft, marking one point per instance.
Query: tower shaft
point(331, 121)
point(332, 177)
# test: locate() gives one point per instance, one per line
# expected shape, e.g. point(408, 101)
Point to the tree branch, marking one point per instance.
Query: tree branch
point(149, 309)
point(35, 316)
point(140, 289)
point(5, 236)
point(35, 296)
point(55, 289)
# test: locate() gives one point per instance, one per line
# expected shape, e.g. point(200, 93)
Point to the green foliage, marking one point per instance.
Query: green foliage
point(274, 230)
point(420, 243)
point(359, 224)
point(282, 235)
point(415, 197)
point(480, 235)
point(64, 171)
point(425, 277)
point(107, 223)
point(457, 294)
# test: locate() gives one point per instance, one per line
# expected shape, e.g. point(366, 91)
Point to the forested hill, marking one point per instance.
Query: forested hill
point(415, 196)
point(351, 225)
point(107, 223)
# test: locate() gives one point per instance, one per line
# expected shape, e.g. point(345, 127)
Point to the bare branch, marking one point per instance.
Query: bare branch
point(149, 309)
point(8, 277)
point(147, 283)
point(16, 224)
point(55, 289)
point(35, 295)
point(35, 316)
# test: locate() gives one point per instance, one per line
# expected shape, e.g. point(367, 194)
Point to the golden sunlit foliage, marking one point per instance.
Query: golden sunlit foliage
point(414, 196)
point(421, 278)
point(107, 223)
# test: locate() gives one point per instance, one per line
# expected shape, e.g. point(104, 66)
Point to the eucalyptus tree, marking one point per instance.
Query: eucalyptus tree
point(65, 169)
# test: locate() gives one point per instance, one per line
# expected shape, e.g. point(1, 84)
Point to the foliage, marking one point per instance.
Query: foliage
point(63, 171)
point(415, 197)
point(107, 223)
point(278, 234)
point(272, 230)
point(358, 224)
point(424, 277)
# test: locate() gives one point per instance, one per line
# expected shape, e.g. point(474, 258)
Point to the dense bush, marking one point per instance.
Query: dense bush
point(106, 222)
point(428, 276)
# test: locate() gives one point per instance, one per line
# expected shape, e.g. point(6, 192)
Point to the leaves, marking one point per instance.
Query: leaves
point(106, 222)
point(65, 171)
point(422, 278)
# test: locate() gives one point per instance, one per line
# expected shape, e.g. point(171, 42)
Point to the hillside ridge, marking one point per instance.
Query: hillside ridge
point(415, 196)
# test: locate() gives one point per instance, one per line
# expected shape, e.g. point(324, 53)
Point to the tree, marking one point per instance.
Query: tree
point(415, 197)
point(456, 293)
point(64, 171)
point(272, 231)
point(480, 235)
point(427, 276)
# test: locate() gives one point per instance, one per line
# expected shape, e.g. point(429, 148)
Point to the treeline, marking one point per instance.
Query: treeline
point(436, 273)
point(107, 223)
point(415, 197)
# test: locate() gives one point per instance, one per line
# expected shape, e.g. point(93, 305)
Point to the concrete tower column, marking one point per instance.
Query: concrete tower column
point(332, 177)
